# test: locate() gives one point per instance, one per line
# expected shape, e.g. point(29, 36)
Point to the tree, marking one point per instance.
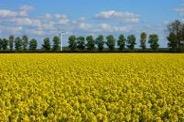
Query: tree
point(153, 41)
point(131, 42)
point(46, 44)
point(110, 42)
point(172, 44)
point(25, 42)
point(72, 42)
point(33, 44)
point(11, 41)
point(90, 42)
point(1, 44)
point(143, 40)
point(121, 42)
point(176, 29)
point(100, 42)
point(56, 44)
point(81, 43)
point(5, 44)
point(18, 44)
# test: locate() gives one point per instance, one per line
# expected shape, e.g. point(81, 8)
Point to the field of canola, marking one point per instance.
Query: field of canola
point(92, 87)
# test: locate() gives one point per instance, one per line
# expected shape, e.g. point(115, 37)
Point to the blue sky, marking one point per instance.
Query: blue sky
point(41, 18)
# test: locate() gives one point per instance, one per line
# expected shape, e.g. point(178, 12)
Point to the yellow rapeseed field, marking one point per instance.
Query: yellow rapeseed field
point(92, 87)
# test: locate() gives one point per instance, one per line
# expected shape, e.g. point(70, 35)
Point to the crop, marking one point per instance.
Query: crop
point(92, 87)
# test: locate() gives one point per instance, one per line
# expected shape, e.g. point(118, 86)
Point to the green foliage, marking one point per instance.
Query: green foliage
point(18, 44)
point(56, 44)
point(81, 43)
point(33, 44)
point(72, 42)
point(100, 42)
point(176, 30)
point(11, 42)
point(1, 44)
point(110, 42)
point(5, 44)
point(121, 42)
point(46, 46)
point(172, 44)
point(131, 42)
point(25, 42)
point(90, 42)
point(143, 39)
point(153, 41)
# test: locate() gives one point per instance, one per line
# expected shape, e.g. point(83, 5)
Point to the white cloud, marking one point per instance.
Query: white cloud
point(47, 16)
point(104, 27)
point(38, 32)
point(25, 9)
point(19, 21)
point(63, 19)
point(118, 15)
point(84, 26)
point(57, 18)
point(180, 10)
point(10, 29)
point(25, 21)
point(82, 19)
point(48, 25)
point(7, 13)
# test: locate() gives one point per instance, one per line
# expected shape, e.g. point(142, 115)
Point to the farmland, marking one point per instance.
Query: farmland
point(92, 87)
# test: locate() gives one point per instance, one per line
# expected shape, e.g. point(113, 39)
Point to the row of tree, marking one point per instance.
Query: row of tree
point(110, 41)
point(24, 44)
point(175, 41)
